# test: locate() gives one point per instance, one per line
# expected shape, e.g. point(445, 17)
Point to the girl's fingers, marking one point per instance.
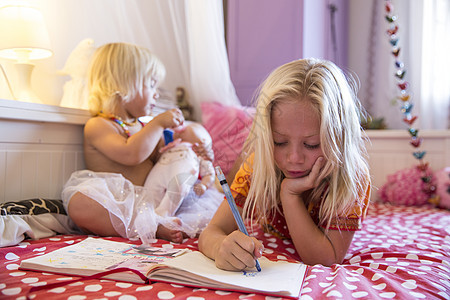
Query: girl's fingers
point(259, 248)
point(237, 252)
point(299, 185)
point(248, 250)
point(321, 164)
point(230, 264)
point(317, 166)
point(315, 171)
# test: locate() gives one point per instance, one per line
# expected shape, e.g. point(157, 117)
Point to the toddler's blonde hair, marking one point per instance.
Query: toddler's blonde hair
point(118, 72)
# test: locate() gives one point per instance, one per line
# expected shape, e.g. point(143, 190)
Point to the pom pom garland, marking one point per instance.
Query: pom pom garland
point(406, 106)
point(404, 97)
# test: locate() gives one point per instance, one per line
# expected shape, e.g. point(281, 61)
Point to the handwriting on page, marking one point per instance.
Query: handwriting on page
point(250, 273)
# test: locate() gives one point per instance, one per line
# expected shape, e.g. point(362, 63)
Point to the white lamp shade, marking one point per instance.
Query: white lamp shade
point(23, 34)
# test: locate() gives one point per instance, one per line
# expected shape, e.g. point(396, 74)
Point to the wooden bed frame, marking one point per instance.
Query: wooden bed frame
point(41, 145)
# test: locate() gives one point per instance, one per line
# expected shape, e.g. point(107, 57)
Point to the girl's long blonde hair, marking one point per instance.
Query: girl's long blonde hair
point(118, 72)
point(345, 176)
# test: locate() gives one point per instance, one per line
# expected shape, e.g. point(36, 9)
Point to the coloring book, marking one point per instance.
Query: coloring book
point(181, 266)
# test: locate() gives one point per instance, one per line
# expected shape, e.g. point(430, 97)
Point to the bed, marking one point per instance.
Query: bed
point(403, 252)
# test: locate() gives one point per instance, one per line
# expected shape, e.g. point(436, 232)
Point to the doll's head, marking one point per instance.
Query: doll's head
point(118, 72)
point(194, 133)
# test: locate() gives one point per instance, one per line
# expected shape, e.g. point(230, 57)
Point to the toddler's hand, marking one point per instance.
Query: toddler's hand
point(172, 118)
point(297, 186)
point(170, 145)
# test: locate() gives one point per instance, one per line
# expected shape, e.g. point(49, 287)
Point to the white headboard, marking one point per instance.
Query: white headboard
point(41, 145)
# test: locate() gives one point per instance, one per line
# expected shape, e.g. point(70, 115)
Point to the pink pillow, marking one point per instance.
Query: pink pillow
point(229, 127)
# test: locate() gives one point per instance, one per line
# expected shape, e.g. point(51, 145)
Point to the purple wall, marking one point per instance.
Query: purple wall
point(264, 34)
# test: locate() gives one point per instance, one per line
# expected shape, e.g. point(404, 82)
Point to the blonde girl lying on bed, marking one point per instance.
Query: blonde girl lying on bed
point(109, 198)
point(304, 176)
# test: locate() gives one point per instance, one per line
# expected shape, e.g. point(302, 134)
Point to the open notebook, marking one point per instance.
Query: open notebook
point(182, 266)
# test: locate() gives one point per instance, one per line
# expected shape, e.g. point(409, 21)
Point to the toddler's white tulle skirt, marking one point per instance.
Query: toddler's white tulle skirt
point(131, 209)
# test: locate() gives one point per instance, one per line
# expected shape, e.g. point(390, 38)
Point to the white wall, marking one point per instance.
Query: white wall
point(71, 21)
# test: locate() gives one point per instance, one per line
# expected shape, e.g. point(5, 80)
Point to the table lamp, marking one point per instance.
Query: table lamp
point(23, 37)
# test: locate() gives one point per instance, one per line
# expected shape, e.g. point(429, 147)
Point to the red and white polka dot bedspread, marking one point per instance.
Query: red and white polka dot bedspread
point(402, 253)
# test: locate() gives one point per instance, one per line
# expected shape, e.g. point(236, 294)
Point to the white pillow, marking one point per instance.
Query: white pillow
point(75, 90)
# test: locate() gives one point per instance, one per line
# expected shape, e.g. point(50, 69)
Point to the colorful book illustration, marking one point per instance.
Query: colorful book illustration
point(180, 266)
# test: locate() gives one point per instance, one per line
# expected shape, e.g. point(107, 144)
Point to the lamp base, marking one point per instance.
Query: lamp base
point(24, 91)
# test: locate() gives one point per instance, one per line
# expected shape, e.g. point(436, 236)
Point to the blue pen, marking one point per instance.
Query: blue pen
point(234, 209)
point(168, 136)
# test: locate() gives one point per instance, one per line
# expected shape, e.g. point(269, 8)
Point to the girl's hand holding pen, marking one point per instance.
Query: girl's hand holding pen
point(237, 251)
point(240, 250)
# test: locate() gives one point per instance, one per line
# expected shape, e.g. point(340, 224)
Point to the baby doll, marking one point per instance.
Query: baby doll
point(176, 174)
